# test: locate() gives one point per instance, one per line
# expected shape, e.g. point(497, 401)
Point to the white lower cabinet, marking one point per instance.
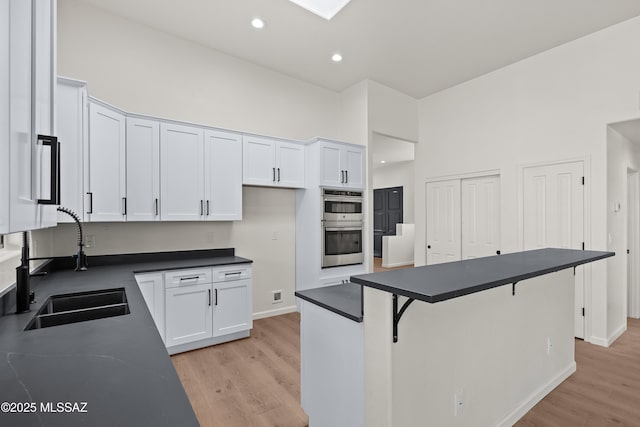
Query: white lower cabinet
point(195, 308)
point(188, 314)
point(152, 288)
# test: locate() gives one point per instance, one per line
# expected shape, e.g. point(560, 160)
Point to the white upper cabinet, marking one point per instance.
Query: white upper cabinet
point(290, 165)
point(27, 73)
point(273, 163)
point(143, 169)
point(342, 165)
point(223, 175)
point(182, 176)
point(106, 186)
point(71, 122)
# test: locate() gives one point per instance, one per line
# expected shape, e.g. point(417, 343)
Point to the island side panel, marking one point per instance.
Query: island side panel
point(377, 319)
point(332, 371)
point(490, 347)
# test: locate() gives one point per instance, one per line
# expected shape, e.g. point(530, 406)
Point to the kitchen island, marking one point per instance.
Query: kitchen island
point(113, 371)
point(475, 343)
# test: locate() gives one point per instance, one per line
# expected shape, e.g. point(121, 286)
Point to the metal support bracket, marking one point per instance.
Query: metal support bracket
point(397, 315)
point(513, 288)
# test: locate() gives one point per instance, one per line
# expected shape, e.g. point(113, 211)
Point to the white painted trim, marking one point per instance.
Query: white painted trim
point(602, 342)
point(536, 397)
point(275, 312)
point(616, 334)
point(466, 175)
point(398, 264)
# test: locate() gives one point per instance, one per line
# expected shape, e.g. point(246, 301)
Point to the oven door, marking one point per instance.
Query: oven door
point(342, 246)
point(342, 209)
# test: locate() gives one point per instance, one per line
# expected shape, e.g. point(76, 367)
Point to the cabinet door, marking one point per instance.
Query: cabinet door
point(44, 89)
point(22, 205)
point(290, 165)
point(331, 172)
point(152, 288)
point(182, 177)
point(107, 174)
point(4, 116)
point(223, 175)
point(143, 169)
point(232, 307)
point(188, 314)
point(258, 161)
point(71, 110)
point(353, 159)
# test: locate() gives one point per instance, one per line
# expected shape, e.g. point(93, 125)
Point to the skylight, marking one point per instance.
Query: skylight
point(326, 9)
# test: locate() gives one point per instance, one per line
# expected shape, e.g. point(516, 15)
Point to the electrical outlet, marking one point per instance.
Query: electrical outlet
point(276, 297)
point(458, 401)
point(209, 237)
point(549, 346)
point(274, 236)
point(89, 241)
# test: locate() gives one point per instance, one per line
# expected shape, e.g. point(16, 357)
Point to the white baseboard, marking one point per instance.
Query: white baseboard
point(397, 264)
point(536, 397)
point(616, 334)
point(274, 312)
point(602, 342)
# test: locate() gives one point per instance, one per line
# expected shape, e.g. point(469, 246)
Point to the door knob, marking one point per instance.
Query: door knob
point(428, 246)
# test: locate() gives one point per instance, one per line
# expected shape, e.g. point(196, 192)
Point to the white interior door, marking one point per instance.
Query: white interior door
point(553, 211)
point(480, 216)
point(633, 245)
point(443, 221)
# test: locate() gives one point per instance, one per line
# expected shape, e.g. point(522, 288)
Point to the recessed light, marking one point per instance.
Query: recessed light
point(257, 23)
point(336, 57)
point(382, 161)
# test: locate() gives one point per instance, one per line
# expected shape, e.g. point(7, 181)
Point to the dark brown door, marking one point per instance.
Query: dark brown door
point(387, 212)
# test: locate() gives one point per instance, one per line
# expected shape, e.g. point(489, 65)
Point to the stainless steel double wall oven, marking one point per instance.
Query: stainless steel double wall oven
point(342, 223)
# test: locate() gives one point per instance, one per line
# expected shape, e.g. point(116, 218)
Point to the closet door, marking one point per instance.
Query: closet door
point(480, 209)
point(443, 221)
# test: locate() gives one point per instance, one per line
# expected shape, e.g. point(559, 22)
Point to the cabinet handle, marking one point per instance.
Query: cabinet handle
point(90, 211)
point(201, 207)
point(124, 204)
point(342, 177)
point(216, 296)
point(207, 207)
point(346, 177)
point(189, 278)
point(54, 195)
point(156, 207)
point(278, 174)
point(209, 296)
point(274, 174)
point(235, 273)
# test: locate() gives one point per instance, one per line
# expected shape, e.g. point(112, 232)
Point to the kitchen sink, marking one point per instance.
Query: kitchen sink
point(80, 307)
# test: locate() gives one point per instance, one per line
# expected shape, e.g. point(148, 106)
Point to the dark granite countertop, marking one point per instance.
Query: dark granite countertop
point(441, 282)
point(345, 299)
point(119, 365)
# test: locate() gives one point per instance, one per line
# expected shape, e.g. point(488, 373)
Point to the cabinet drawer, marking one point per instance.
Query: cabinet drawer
point(231, 272)
point(189, 277)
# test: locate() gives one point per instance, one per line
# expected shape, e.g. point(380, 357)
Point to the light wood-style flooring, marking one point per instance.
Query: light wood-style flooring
point(250, 382)
point(256, 382)
point(377, 266)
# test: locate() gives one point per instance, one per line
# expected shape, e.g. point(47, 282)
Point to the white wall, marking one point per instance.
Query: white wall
point(392, 113)
point(398, 175)
point(142, 70)
point(552, 106)
point(622, 155)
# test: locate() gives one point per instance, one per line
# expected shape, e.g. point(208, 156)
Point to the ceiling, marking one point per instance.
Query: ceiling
point(391, 150)
point(415, 46)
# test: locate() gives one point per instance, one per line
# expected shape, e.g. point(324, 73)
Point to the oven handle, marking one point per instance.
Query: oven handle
point(349, 199)
point(343, 228)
